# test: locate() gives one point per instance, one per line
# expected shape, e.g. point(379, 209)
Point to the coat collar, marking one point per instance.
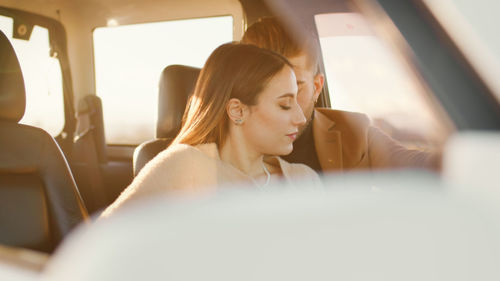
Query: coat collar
point(327, 140)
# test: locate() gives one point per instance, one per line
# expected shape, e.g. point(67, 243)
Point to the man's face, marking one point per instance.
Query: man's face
point(309, 86)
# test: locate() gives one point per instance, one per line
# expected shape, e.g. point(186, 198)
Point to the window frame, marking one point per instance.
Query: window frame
point(58, 43)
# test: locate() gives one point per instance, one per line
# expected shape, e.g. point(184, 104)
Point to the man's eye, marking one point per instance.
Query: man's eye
point(285, 107)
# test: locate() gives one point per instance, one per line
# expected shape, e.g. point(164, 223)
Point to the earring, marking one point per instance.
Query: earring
point(238, 121)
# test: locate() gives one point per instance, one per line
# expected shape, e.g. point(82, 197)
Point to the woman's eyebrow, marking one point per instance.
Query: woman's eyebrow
point(287, 95)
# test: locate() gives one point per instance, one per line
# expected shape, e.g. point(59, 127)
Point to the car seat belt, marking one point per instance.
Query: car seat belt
point(86, 160)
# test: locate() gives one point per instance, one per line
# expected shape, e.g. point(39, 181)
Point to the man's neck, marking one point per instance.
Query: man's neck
point(304, 150)
point(304, 137)
point(305, 134)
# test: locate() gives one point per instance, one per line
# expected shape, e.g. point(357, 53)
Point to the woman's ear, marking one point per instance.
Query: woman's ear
point(236, 111)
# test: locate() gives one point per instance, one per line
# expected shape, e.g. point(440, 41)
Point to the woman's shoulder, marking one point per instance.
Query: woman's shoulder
point(177, 152)
point(184, 149)
point(167, 171)
point(178, 157)
point(171, 169)
point(301, 175)
point(178, 148)
point(175, 156)
point(300, 172)
point(290, 169)
point(298, 168)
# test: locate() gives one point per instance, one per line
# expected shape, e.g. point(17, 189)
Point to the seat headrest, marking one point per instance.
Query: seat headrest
point(12, 91)
point(177, 83)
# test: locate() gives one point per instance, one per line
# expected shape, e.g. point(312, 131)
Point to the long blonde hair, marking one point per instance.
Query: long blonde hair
point(233, 70)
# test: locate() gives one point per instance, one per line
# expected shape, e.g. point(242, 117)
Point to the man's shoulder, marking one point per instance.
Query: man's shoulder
point(341, 120)
point(338, 115)
point(351, 127)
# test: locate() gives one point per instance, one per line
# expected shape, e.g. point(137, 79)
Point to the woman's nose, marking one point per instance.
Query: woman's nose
point(298, 116)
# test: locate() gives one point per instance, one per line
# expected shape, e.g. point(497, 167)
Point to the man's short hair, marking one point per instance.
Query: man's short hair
point(268, 33)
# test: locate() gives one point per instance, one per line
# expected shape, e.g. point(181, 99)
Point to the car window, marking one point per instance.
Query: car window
point(473, 26)
point(42, 77)
point(364, 75)
point(128, 63)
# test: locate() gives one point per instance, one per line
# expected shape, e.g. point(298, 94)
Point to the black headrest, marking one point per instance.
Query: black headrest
point(12, 92)
point(90, 107)
point(176, 85)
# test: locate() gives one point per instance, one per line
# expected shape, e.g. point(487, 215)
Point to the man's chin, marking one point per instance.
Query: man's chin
point(304, 127)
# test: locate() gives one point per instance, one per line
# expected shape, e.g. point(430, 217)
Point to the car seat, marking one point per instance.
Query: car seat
point(39, 201)
point(176, 86)
point(89, 154)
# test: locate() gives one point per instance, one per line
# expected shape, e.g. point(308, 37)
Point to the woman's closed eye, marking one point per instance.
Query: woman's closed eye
point(286, 101)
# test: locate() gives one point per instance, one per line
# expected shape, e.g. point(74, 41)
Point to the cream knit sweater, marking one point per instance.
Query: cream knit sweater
point(199, 169)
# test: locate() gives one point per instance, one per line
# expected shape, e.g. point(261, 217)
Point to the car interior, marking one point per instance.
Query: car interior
point(175, 87)
point(91, 91)
point(37, 184)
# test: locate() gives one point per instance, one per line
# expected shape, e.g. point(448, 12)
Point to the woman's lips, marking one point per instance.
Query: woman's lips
point(293, 136)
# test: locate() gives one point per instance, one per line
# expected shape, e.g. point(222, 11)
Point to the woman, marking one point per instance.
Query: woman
point(243, 108)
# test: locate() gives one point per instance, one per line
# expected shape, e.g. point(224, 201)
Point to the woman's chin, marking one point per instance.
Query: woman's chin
point(285, 151)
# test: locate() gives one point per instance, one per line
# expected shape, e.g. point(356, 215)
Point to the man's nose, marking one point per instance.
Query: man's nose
point(298, 116)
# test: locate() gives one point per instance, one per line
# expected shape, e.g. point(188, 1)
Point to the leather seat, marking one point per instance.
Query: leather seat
point(89, 154)
point(176, 85)
point(39, 201)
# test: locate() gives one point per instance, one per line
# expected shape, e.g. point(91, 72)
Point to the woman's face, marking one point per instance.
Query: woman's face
point(272, 124)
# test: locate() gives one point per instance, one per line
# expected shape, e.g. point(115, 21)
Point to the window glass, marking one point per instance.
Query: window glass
point(365, 76)
point(42, 78)
point(129, 60)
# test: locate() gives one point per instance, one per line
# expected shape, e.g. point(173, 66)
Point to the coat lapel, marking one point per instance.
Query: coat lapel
point(328, 142)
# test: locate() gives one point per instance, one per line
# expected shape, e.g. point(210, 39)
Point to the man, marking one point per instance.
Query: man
point(331, 140)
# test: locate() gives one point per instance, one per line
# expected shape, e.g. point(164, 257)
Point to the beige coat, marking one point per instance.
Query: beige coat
point(345, 141)
point(199, 169)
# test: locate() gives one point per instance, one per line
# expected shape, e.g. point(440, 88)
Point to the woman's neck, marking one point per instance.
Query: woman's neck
point(237, 154)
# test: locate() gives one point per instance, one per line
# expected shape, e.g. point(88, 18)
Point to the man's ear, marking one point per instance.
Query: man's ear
point(319, 81)
point(236, 111)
